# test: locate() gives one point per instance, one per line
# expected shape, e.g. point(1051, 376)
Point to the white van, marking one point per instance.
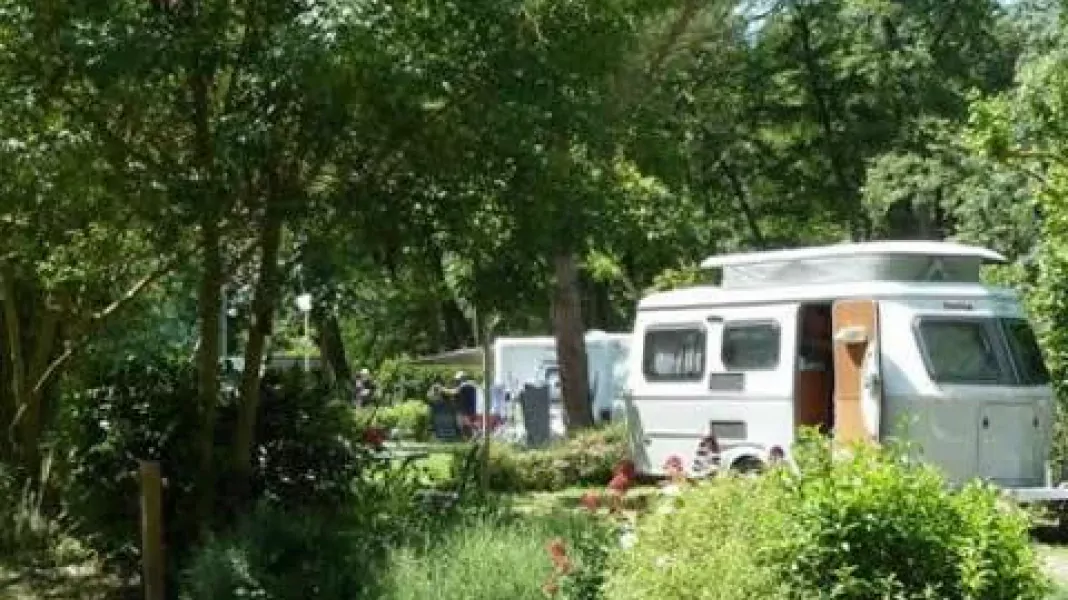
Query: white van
point(855, 339)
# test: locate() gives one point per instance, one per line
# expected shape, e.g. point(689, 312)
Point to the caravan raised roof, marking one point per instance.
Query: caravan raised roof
point(855, 262)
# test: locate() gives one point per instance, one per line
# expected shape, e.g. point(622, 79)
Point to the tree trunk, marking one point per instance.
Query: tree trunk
point(263, 306)
point(14, 358)
point(209, 314)
point(30, 332)
point(571, 342)
point(332, 347)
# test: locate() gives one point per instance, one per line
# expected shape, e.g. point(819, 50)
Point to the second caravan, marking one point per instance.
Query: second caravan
point(521, 360)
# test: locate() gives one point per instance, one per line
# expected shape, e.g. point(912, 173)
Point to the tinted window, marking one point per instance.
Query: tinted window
point(1025, 352)
point(674, 354)
point(750, 346)
point(960, 351)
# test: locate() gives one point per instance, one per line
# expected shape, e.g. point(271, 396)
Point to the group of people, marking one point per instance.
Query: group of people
point(363, 388)
point(462, 393)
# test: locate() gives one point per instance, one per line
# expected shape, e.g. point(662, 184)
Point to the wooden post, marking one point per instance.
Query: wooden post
point(152, 530)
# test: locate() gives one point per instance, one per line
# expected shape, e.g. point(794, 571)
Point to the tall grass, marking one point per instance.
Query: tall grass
point(493, 558)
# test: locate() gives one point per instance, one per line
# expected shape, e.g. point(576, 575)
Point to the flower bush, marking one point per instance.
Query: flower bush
point(580, 573)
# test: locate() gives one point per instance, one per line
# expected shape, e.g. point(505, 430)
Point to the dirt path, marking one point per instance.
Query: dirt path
point(1055, 559)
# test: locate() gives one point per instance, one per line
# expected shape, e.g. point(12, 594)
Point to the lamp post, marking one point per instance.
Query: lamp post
point(304, 305)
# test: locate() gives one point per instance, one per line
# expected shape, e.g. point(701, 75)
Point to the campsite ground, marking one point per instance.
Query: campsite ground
point(85, 581)
point(1055, 557)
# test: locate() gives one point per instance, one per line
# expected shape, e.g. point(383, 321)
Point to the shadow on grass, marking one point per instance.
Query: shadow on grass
point(84, 582)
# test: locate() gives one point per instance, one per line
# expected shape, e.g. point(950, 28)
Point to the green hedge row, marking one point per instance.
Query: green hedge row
point(410, 419)
point(585, 459)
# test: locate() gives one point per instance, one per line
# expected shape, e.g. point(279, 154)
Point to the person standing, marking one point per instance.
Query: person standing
point(367, 389)
point(363, 388)
point(466, 396)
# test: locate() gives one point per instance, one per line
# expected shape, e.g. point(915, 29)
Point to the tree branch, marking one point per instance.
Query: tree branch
point(98, 318)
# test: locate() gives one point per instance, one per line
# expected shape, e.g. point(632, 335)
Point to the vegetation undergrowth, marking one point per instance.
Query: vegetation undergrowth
point(490, 557)
point(867, 525)
point(586, 458)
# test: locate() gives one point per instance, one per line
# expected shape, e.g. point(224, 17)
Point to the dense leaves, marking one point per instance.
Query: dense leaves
point(866, 525)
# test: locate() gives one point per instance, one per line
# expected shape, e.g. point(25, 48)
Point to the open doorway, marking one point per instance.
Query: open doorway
point(814, 379)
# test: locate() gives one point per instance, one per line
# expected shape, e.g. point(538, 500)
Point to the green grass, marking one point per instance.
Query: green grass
point(491, 559)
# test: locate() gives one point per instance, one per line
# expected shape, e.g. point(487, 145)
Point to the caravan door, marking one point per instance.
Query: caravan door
point(858, 390)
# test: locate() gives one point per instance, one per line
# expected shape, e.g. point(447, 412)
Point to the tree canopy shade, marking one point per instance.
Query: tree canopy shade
point(433, 173)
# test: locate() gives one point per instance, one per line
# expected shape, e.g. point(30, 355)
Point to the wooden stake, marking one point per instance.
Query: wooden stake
point(152, 530)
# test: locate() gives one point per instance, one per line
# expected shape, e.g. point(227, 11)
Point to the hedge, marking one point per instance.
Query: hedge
point(585, 459)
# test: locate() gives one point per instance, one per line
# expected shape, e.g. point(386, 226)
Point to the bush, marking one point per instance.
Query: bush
point(323, 553)
point(586, 459)
point(490, 558)
point(411, 419)
point(307, 451)
point(29, 534)
point(866, 526)
point(283, 555)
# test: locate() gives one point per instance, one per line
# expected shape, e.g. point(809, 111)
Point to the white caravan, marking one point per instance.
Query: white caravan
point(855, 339)
point(519, 360)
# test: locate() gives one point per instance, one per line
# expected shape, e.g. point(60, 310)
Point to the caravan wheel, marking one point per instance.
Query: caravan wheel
point(748, 466)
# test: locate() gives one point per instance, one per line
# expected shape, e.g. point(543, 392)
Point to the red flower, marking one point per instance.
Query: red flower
point(591, 500)
point(556, 547)
point(626, 468)
point(374, 437)
point(620, 484)
point(674, 468)
point(558, 554)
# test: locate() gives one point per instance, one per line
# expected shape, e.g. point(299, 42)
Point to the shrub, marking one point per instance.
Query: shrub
point(307, 451)
point(708, 547)
point(284, 555)
point(411, 418)
point(869, 525)
point(328, 553)
point(586, 459)
point(30, 534)
point(580, 563)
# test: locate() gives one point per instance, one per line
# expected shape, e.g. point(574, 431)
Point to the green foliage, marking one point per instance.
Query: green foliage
point(29, 534)
point(400, 379)
point(285, 555)
point(411, 419)
point(492, 558)
point(585, 459)
point(712, 545)
point(307, 451)
point(589, 552)
point(866, 525)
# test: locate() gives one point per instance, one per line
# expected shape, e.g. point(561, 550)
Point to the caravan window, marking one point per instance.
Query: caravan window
point(961, 350)
point(676, 354)
point(751, 345)
point(1025, 352)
